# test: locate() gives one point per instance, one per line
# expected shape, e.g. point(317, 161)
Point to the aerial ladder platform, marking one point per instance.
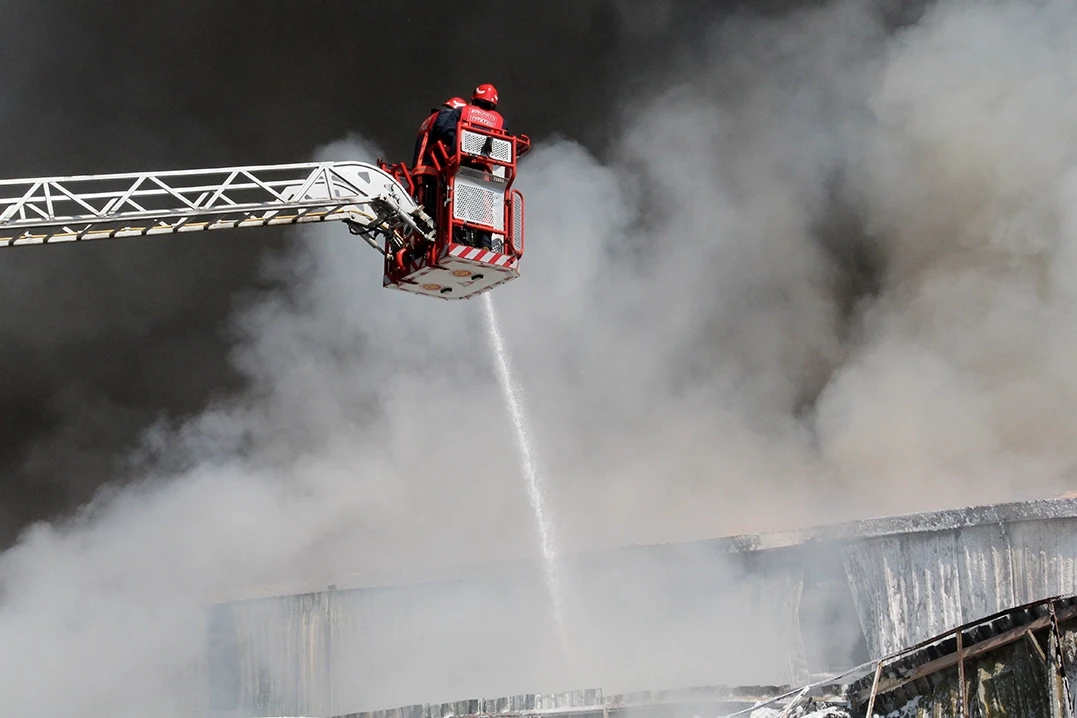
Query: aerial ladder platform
point(374, 202)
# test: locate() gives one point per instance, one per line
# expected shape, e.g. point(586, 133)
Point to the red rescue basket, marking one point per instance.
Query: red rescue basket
point(479, 217)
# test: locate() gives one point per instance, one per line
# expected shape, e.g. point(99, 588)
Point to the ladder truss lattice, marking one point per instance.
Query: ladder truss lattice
point(43, 210)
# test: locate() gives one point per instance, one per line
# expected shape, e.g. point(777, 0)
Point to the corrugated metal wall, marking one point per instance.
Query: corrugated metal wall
point(642, 617)
point(333, 652)
point(674, 617)
point(910, 587)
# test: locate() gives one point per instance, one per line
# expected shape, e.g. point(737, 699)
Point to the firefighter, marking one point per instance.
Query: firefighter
point(483, 108)
point(453, 103)
point(421, 166)
point(482, 111)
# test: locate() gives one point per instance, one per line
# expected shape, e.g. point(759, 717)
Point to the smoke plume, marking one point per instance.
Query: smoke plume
point(822, 266)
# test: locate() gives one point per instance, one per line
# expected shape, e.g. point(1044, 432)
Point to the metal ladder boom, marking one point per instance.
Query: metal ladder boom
point(59, 209)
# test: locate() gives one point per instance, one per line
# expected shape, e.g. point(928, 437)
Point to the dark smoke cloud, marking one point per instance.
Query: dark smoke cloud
point(101, 341)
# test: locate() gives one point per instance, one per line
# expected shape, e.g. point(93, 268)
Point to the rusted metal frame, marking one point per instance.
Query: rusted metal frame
point(1056, 632)
point(1037, 649)
point(962, 691)
point(874, 690)
point(1067, 614)
point(977, 649)
point(879, 686)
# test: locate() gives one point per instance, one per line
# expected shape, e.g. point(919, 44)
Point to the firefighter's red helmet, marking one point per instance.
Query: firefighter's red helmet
point(486, 93)
point(455, 103)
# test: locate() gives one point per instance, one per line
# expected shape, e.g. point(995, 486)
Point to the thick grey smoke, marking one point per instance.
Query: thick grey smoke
point(826, 271)
point(102, 341)
point(966, 176)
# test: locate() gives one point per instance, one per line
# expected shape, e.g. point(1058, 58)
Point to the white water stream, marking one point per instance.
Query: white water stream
point(512, 394)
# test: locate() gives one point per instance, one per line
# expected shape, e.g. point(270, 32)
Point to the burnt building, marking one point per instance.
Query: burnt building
point(779, 609)
point(1018, 662)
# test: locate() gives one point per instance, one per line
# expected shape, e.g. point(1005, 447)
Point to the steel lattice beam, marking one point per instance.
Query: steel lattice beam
point(55, 209)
